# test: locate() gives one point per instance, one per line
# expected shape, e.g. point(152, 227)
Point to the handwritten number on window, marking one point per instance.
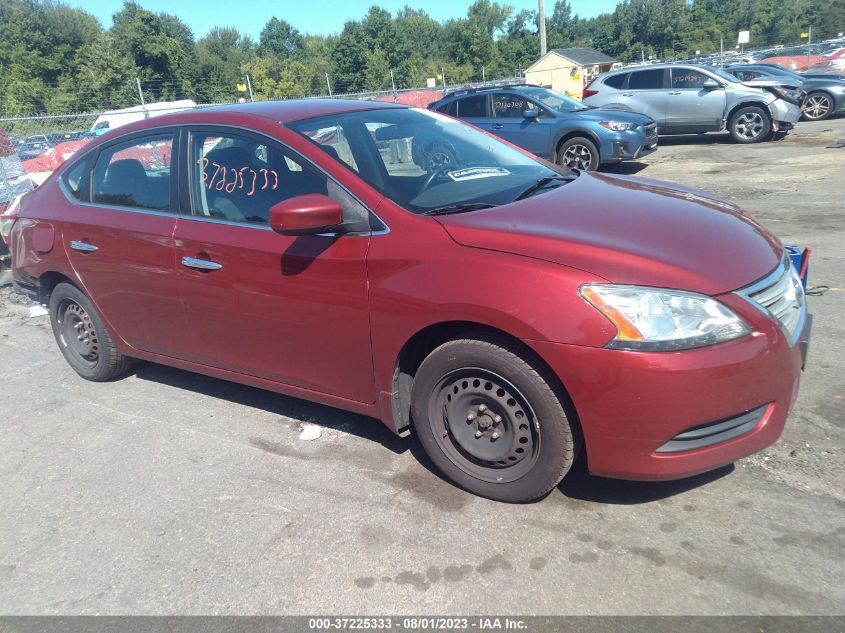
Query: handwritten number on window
point(237, 178)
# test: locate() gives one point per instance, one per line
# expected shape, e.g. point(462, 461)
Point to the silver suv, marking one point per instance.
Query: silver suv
point(691, 99)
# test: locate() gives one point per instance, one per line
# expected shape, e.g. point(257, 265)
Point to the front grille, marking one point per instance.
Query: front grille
point(651, 130)
point(781, 295)
point(714, 432)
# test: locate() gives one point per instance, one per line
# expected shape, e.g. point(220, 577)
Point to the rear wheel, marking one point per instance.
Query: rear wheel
point(750, 125)
point(82, 337)
point(817, 106)
point(578, 153)
point(491, 420)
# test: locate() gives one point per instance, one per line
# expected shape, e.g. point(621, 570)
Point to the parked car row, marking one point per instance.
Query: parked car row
point(624, 111)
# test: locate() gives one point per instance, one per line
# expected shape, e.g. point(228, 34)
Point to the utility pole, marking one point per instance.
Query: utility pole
point(141, 94)
point(541, 24)
point(328, 85)
point(483, 75)
point(721, 49)
point(249, 87)
point(443, 77)
point(393, 83)
point(809, 45)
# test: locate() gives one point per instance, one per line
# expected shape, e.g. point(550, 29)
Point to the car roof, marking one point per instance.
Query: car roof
point(241, 113)
point(296, 109)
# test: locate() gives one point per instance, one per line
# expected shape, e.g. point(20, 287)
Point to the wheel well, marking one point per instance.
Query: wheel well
point(823, 92)
point(745, 104)
point(48, 281)
point(584, 133)
point(419, 346)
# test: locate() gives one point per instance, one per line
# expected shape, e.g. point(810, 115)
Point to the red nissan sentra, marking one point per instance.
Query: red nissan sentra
point(397, 263)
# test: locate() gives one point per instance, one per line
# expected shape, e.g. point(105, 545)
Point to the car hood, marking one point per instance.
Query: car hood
point(629, 230)
point(607, 114)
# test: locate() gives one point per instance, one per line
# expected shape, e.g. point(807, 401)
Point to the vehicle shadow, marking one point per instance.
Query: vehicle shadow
point(294, 408)
point(626, 168)
point(578, 484)
point(696, 139)
point(581, 485)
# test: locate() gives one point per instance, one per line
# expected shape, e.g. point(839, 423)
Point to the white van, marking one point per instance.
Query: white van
point(116, 118)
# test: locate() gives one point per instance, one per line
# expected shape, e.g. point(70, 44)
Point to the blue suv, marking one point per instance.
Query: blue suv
point(553, 126)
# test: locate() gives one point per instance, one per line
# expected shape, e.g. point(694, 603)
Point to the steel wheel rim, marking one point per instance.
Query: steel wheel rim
point(77, 332)
point(577, 156)
point(484, 425)
point(817, 106)
point(750, 125)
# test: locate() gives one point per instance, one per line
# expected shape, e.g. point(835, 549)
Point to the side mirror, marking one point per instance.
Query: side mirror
point(711, 84)
point(306, 215)
point(531, 113)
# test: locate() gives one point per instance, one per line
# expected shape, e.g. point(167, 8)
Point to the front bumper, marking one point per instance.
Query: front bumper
point(628, 146)
point(785, 112)
point(631, 405)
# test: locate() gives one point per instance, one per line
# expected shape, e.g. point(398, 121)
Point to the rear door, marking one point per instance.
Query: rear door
point(690, 107)
point(119, 239)
point(475, 109)
point(645, 92)
point(289, 309)
point(534, 135)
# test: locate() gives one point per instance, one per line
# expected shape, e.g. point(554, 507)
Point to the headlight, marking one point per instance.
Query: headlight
point(658, 320)
point(618, 126)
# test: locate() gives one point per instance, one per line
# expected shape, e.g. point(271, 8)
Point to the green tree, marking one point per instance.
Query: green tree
point(281, 39)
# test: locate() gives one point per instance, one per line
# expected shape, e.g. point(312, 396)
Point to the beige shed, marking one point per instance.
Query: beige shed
point(567, 70)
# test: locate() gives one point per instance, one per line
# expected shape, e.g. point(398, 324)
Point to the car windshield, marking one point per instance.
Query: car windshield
point(554, 100)
point(722, 74)
point(424, 161)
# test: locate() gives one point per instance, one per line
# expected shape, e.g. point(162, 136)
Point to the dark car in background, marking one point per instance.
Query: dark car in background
point(824, 97)
point(552, 125)
point(33, 146)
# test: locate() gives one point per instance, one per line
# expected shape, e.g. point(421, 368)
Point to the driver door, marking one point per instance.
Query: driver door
point(533, 135)
point(291, 309)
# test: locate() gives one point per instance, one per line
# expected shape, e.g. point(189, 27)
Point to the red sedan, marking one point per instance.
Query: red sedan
point(397, 263)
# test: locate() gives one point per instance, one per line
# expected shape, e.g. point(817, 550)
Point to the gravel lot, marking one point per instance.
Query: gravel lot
point(168, 492)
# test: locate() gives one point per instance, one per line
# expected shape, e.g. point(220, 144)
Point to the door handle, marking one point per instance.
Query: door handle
point(674, 92)
point(200, 264)
point(627, 94)
point(498, 126)
point(82, 247)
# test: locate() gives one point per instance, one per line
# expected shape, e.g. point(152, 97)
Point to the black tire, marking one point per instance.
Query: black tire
point(817, 106)
point(81, 336)
point(750, 124)
point(579, 153)
point(468, 390)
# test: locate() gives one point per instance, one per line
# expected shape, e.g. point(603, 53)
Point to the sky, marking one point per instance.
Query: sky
point(321, 17)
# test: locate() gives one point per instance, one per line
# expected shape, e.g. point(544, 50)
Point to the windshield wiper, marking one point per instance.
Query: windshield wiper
point(462, 207)
point(539, 184)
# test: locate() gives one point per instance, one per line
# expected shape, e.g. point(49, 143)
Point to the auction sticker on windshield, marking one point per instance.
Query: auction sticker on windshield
point(473, 173)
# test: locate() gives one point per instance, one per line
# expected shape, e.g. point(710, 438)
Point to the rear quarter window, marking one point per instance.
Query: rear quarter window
point(75, 179)
point(616, 81)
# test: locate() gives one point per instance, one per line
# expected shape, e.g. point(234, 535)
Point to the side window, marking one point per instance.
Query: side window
point(616, 81)
point(646, 79)
point(238, 178)
point(333, 141)
point(511, 106)
point(472, 107)
point(135, 173)
point(395, 146)
point(688, 79)
point(450, 108)
point(75, 179)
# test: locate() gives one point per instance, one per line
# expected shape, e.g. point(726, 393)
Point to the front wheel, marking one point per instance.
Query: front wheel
point(750, 125)
point(490, 419)
point(578, 153)
point(82, 337)
point(817, 106)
